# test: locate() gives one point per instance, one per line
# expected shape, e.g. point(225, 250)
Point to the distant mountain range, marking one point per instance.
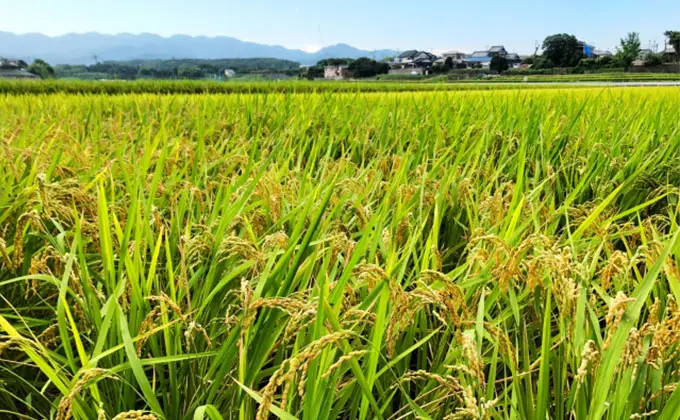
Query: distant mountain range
point(82, 48)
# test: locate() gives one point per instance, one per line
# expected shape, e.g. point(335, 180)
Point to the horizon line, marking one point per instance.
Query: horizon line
point(177, 35)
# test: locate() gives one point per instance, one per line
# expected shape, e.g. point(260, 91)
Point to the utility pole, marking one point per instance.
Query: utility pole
point(321, 37)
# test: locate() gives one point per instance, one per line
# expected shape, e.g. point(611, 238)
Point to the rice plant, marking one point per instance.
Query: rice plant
point(461, 255)
point(589, 77)
point(122, 87)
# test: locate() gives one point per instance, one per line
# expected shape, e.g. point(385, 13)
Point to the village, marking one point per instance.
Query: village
point(422, 63)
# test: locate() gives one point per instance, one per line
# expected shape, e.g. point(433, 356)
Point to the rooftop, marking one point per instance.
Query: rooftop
point(407, 54)
point(15, 73)
point(479, 54)
point(479, 59)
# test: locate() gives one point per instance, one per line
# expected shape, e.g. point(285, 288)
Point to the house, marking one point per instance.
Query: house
point(16, 74)
point(668, 53)
point(10, 69)
point(497, 50)
point(413, 62)
point(479, 62)
point(456, 56)
point(424, 59)
point(479, 54)
point(514, 60)
point(406, 57)
point(338, 72)
point(483, 58)
point(479, 59)
point(601, 53)
point(414, 58)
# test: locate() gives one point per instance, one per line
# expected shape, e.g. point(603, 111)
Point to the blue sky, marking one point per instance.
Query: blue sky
point(370, 24)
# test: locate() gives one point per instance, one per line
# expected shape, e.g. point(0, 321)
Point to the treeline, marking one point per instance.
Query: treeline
point(194, 69)
point(567, 51)
point(360, 67)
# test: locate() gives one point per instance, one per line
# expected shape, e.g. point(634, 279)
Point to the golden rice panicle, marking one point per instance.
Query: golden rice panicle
point(135, 415)
point(4, 253)
point(64, 410)
point(617, 307)
point(473, 358)
point(236, 246)
point(617, 264)
point(665, 335)
point(589, 357)
point(277, 240)
point(288, 370)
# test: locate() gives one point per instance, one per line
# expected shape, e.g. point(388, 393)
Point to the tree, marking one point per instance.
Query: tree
point(587, 64)
point(439, 69)
point(22, 64)
point(543, 62)
point(448, 63)
point(563, 50)
point(674, 40)
point(629, 49)
point(654, 60)
point(365, 67)
point(209, 69)
point(189, 72)
point(315, 72)
point(605, 61)
point(42, 69)
point(499, 64)
point(148, 71)
point(334, 62)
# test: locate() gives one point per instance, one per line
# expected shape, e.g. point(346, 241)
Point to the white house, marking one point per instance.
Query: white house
point(456, 56)
point(338, 72)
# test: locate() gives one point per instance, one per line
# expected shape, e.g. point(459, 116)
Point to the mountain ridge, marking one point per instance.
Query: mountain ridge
point(81, 48)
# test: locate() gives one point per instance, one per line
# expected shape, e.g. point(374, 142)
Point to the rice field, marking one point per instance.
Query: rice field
point(393, 255)
point(166, 87)
point(591, 77)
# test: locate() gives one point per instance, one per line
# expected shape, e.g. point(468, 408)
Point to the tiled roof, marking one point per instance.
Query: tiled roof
point(408, 54)
point(16, 74)
point(479, 54)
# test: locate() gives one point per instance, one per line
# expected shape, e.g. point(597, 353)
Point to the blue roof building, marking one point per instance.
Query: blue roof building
point(484, 58)
point(478, 59)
